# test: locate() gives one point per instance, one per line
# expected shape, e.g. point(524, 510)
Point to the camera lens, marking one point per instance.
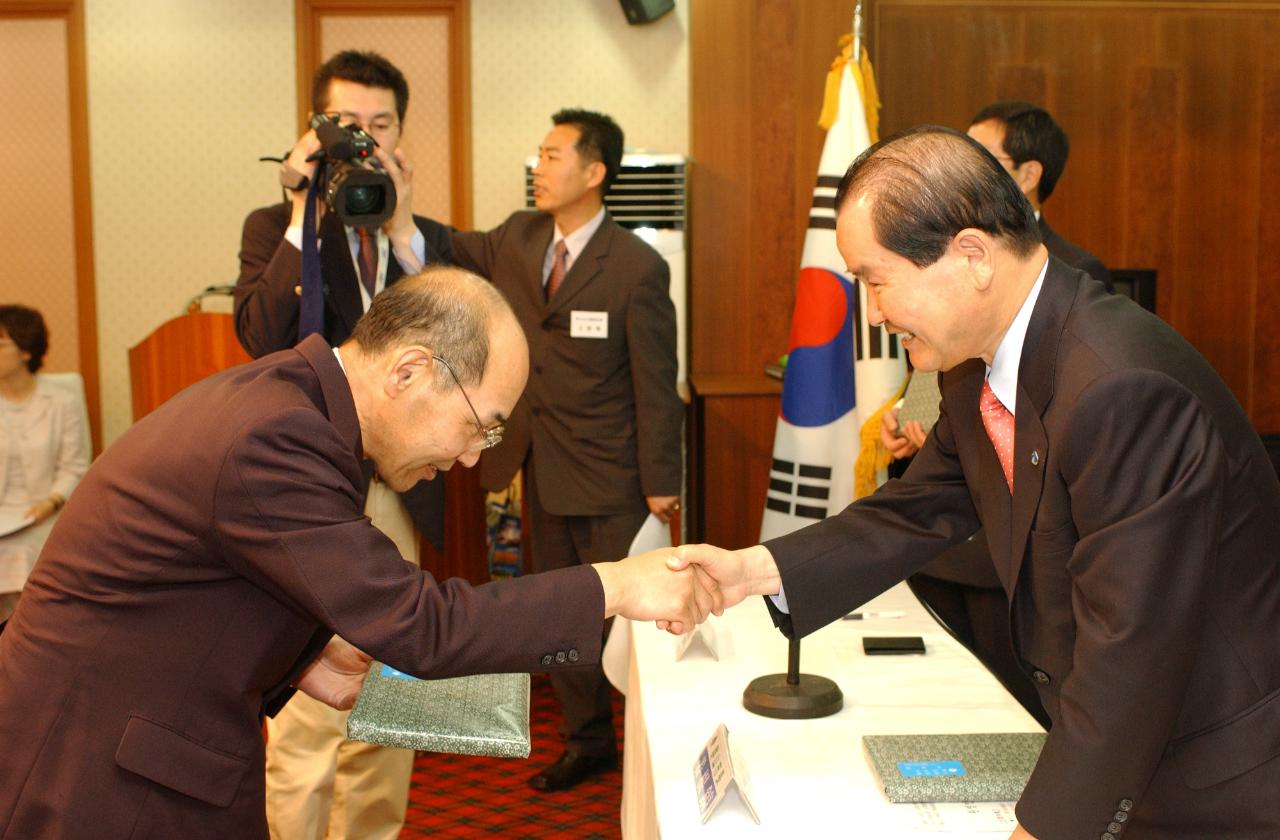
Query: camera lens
point(362, 200)
point(361, 197)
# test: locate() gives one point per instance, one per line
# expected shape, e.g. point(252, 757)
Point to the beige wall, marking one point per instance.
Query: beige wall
point(183, 99)
point(185, 96)
point(531, 58)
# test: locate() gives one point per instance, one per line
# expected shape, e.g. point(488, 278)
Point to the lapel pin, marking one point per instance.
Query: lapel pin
point(1035, 458)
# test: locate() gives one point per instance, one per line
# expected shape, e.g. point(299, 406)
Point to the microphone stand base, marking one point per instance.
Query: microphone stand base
point(812, 697)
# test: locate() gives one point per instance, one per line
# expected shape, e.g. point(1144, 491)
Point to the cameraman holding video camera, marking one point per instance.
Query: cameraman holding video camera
point(317, 781)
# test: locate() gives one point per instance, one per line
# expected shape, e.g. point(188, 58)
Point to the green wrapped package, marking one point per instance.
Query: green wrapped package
point(987, 767)
point(486, 714)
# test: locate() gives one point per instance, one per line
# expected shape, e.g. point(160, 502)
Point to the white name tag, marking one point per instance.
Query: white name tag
point(586, 324)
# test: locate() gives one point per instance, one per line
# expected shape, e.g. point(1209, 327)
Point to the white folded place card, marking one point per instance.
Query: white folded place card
point(719, 771)
point(704, 634)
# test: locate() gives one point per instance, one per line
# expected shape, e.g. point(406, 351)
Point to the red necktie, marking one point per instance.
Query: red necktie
point(999, 424)
point(558, 268)
point(368, 259)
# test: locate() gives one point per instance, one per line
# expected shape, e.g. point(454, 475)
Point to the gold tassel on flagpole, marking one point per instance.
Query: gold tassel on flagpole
point(872, 454)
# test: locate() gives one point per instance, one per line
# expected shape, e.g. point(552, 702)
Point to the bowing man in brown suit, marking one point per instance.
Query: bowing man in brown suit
point(216, 557)
point(1130, 508)
point(598, 428)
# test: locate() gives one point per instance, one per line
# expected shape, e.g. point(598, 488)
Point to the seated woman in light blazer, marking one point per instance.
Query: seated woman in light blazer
point(43, 450)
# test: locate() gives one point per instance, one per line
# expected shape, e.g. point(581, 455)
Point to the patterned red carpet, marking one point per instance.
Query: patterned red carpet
point(457, 796)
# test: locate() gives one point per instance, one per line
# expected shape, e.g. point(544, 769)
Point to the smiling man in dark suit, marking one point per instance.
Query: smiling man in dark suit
point(598, 429)
point(216, 557)
point(1131, 512)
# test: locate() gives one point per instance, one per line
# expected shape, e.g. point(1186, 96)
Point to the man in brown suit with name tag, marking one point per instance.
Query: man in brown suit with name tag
point(1130, 508)
point(216, 557)
point(598, 428)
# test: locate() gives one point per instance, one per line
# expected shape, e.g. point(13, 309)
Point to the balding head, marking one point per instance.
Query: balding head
point(436, 366)
point(448, 309)
point(928, 183)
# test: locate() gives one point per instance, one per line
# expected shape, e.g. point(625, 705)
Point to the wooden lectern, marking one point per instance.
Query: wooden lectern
point(181, 352)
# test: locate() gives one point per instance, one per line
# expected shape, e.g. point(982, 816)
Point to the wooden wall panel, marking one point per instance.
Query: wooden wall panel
point(757, 70)
point(1266, 322)
point(730, 450)
point(1170, 108)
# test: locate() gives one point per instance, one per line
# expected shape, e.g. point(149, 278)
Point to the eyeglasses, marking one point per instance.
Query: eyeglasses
point(492, 435)
point(379, 125)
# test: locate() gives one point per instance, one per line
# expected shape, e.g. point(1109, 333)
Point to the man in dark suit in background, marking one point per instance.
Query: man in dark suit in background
point(216, 557)
point(318, 783)
point(598, 428)
point(1033, 149)
point(1131, 513)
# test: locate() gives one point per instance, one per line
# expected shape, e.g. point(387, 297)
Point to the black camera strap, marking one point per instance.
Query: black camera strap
point(311, 311)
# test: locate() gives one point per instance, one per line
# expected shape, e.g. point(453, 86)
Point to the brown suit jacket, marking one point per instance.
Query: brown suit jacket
point(200, 566)
point(602, 415)
point(1139, 555)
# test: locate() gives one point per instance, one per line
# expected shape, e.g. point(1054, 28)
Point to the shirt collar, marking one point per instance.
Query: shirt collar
point(578, 240)
point(1003, 371)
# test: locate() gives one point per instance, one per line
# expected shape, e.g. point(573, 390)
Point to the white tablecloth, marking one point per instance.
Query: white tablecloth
point(809, 779)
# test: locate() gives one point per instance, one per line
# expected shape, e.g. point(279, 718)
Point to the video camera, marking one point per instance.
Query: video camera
point(360, 196)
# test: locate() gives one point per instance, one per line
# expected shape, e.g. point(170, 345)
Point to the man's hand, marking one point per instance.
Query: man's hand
point(736, 574)
point(337, 674)
point(663, 507)
point(400, 227)
point(901, 442)
point(643, 588)
point(307, 145)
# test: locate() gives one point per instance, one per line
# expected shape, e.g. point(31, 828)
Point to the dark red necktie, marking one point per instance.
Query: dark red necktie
point(1000, 425)
point(368, 259)
point(559, 268)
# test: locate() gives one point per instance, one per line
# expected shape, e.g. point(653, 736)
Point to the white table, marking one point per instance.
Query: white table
point(809, 779)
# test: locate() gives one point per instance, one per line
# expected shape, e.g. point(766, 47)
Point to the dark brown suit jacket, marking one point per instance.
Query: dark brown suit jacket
point(602, 416)
point(199, 567)
point(267, 307)
point(1139, 555)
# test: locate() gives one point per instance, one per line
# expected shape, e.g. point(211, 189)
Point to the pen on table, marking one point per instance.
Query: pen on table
point(867, 615)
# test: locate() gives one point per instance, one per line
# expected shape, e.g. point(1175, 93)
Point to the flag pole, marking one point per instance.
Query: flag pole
point(856, 29)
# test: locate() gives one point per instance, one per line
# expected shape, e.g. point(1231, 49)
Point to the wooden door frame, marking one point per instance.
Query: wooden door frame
point(72, 12)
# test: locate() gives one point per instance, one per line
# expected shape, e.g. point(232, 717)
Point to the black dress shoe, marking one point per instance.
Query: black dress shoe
point(571, 768)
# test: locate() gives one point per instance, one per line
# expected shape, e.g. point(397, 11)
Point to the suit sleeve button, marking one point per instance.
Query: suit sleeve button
point(560, 657)
point(1040, 677)
point(1107, 835)
point(573, 654)
point(1115, 827)
point(1120, 816)
point(546, 660)
point(1126, 805)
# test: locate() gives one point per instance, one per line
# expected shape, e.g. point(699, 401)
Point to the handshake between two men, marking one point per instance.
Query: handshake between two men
point(675, 587)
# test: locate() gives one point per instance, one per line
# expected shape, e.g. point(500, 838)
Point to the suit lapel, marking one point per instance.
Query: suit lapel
point(587, 265)
point(342, 292)
point(537, 239)
point(989, 487)
point(1036, 375)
